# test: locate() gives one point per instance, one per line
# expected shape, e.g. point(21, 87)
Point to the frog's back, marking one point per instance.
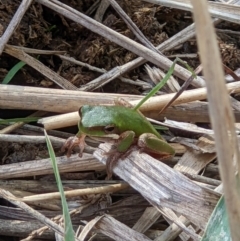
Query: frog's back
point(122, 117)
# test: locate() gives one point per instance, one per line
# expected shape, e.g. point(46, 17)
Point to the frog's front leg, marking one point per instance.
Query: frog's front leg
point(120, 148)
point(71, 142)
point(150, 143)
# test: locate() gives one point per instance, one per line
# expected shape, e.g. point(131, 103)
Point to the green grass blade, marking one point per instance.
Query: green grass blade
point(160, 128)
point(69, 233)
point(218, 226)
point(25, 120)
point(164, 81)
point(158, 86)
point(12, 72)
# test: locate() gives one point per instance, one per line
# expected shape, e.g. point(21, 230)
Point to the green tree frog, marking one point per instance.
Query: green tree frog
point(122, 125)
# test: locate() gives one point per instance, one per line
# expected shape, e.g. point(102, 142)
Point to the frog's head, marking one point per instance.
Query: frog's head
point(97, 121)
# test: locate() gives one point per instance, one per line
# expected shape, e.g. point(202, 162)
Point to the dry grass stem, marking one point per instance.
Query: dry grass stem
point(227, 12)
point(36, 51)
point(44, 186)
point(158, 102)
point(60, 121)
point(57, 142)
point(67, 101)
point(34, 63)
point(77, 192)
point(220, 113)
point(14, 23)
point(23, 97)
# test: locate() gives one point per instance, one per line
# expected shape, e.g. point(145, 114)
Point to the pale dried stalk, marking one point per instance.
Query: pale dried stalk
point(36, 51)
point(60, 121)
point(40, 67)
point(154, 103)
point(19, 97)
point(77, 192)
point(34, 98)
point(132, 26)
point(14, 23)
point(158, 102)
point(44, 167)
point(223, 11)
point(47, 186)
point(220, 112)
point(56, 141)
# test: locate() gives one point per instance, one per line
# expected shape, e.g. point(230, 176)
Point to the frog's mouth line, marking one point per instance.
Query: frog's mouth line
point(99, 132)
point(108, 130)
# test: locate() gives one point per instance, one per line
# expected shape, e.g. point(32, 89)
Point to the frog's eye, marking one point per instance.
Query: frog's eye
point(110, 129)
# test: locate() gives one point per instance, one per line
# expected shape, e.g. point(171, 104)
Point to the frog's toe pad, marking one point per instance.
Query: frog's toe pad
point(71, 143)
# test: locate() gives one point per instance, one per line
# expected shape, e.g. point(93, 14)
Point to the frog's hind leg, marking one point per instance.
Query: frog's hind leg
point(151, 144)
point(120, 149)
point(111, 162)
point(113, 158)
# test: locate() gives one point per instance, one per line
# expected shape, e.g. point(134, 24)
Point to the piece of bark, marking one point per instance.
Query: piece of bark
point(162, 186)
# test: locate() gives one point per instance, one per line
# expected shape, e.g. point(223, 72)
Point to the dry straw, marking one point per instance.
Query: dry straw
point(221, 115)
